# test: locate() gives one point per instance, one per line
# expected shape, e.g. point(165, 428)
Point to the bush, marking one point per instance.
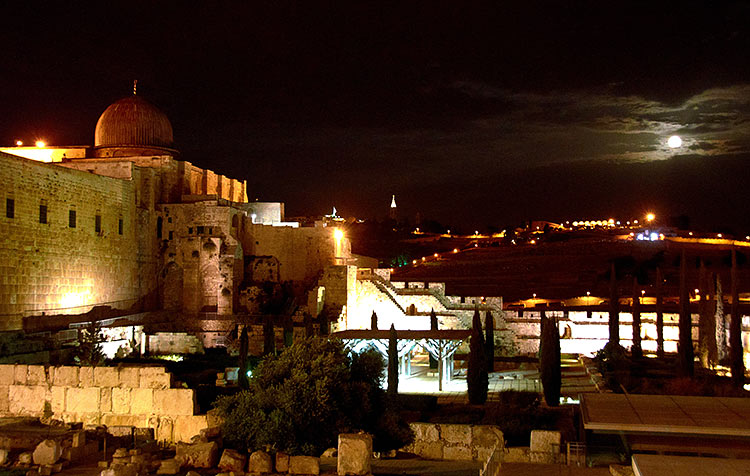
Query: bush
point(300, 400)
point(517, 413)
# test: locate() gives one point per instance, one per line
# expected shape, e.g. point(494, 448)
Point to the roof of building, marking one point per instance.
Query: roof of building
point(133, 121)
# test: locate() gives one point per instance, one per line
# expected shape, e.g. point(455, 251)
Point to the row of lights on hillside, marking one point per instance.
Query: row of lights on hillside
point(435, 255)
point(39, 143)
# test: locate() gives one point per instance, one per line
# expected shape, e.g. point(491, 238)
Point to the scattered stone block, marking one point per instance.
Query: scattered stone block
point(25, 458)
point(308, 465)
point(621, 470)
point(45, 470)
point(331, 452)
point(103, 464)
point(232, 460)
point(211, 433)
point(354, 454)
point(169, 466)
point(192, 473)
point(200, 455)
point(47, 452)
point(32, 472)
point(4, 456)
point(259, 462)
point(121, 453)
point(282, 462)
point(57, 467)
point(79, 439)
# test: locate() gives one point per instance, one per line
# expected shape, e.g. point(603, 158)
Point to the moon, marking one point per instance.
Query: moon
point(674, 142)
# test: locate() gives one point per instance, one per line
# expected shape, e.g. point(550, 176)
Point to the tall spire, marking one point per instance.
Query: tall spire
point(393, 202)
point(392, 213)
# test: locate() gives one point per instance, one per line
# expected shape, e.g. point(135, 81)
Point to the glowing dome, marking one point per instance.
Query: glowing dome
point(132, 126)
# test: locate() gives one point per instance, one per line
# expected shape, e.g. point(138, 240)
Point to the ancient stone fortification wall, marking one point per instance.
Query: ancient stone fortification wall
point(55, 268)
point(141, 397)
point(455, 442)
point(302, 252)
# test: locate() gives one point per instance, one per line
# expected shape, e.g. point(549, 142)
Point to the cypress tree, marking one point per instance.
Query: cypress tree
point(659, 315)
point(735, 329)
point(614, 307)
point(549, 360)
point(636, 350)
point(242, 379)
point(685, 325)
point(433, 320)
point(477, 381)
point(489, 341)
point(392, 362)
point(374, 321)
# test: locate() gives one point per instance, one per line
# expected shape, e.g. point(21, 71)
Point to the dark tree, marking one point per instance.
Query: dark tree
point(659, 314)
point(549, 360)
point(489, 341)
point(269, 339)
point(433, 320)
point(614, 307)
point(735, 329)
point(477, 381)
point(242, 374)
point(636, 350)
point(686, 325)
point(392, 362)
point(374, 321)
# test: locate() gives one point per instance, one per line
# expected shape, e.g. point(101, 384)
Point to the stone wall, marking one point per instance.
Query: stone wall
point(139, 397)
point(58, 269)
point(442, 441)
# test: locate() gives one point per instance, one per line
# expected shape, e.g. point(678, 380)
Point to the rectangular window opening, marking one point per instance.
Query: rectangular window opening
point(119, 226)
point(71, 218)
point(199, 230)
point(98, 223)
point(42, 213)
point(10, 208)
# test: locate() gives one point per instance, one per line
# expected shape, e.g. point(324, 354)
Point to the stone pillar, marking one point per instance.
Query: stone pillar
point(355, 454)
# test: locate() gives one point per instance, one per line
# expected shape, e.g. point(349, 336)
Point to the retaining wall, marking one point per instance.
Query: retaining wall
point(442, 441)
point(136, 396)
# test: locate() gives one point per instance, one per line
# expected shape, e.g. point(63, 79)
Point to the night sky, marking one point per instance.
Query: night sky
point(472, 114)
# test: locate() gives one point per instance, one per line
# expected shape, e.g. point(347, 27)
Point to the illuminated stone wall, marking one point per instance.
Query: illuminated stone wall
point(114, 396)
point(53, 268)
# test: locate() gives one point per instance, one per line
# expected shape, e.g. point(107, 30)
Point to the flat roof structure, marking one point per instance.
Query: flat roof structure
point(659, 465)
point(666, 414)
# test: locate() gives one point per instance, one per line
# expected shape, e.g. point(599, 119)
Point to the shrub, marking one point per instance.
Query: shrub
point(300, 400)
point(477, 380)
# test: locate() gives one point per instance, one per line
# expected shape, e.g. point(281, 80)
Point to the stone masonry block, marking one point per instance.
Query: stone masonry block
point(7, 372)
point(456, 434)
point(141, 401)
point(106, 377)
point(487, 436)
point(429, 450)
point(425, 432)
point(86, 377)
point(66, 376)
point(186, 427)
point(82, 400)
point(26, 400)
point(57, 399)
point(20, 374)
point(111, 420)
point(121, 400)
point(154, 377)
point(174, 401)
point(36, 375)
point(105, 399)
point(129, 377)
point(457, 453)
point(354, 454)
point(4, 408)
point(543, 441)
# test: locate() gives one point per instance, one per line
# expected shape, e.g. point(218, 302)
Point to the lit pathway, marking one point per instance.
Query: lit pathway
point(424, 381)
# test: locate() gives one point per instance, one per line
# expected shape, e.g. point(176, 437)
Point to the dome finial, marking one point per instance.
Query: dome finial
point(135, 87)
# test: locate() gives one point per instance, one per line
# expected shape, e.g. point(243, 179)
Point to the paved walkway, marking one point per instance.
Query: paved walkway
point(575, 380)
